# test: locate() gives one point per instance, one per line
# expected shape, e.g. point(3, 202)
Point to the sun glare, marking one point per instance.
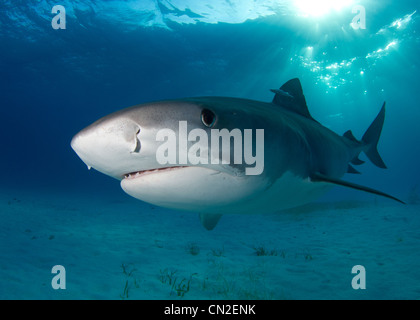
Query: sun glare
point(319, 8)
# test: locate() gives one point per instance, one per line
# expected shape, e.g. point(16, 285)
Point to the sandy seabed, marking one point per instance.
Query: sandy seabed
point(125, 249)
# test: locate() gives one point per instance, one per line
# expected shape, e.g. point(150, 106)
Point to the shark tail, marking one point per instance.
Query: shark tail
point(368, 144)
point(371, 138)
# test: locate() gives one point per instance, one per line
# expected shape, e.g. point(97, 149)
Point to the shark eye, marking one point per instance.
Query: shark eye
point(208, 118)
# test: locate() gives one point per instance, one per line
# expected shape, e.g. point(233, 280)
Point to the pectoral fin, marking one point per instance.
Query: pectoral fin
point(209, 221)
point(319, 177)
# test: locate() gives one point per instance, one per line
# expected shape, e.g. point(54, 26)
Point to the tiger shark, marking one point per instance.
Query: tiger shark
point(302, 158)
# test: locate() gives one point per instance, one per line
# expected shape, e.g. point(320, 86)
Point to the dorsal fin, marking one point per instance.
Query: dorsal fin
point(290, 96)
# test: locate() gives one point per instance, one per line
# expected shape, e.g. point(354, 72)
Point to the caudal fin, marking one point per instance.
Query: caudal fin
point(371, 138)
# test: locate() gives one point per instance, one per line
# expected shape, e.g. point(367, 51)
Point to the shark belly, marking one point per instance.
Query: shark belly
point(194, 189)
point(220, 193)
point(286, 192)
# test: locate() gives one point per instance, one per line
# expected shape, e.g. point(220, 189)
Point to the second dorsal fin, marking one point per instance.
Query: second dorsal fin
point(290, 96)
point(349, 135)
point(350, 169)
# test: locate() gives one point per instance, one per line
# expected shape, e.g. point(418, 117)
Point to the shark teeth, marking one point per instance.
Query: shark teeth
point(133, 175)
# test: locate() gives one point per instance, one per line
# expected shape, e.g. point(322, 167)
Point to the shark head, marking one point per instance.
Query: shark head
point(167, 153)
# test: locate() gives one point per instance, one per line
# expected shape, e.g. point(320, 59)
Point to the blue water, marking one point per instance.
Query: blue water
point(114, 54)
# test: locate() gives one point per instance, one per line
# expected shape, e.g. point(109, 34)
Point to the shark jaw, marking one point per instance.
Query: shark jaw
point(188, 188)
point(142, 173)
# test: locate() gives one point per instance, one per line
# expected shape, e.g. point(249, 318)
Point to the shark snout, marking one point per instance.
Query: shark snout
point(77, 143)
point(109, 146)
point(84, 146)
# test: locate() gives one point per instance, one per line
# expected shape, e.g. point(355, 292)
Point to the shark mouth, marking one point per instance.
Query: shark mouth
point(137, 174)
